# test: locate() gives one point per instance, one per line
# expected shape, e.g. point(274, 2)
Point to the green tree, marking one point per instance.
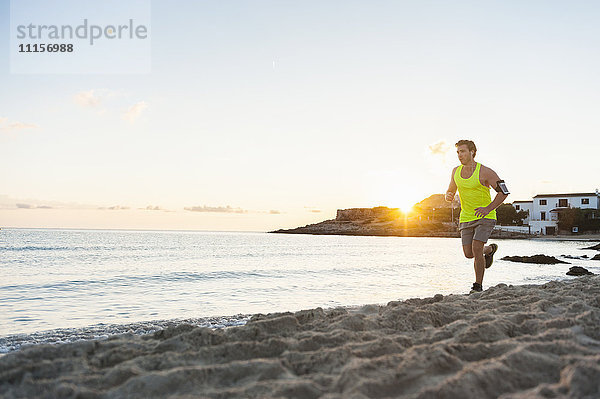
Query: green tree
point(584, 219)
point(591, 220)
point(569, 218)
point(508, 215)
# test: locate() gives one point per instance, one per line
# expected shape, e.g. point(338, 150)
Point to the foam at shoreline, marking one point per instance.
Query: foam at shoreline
point(508, 342)
point(102, 331)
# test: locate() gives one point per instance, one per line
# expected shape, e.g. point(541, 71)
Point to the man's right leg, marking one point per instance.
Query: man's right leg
point(466, 236)
point(468, 251)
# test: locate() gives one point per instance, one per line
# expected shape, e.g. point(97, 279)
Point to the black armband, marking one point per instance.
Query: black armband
point(501, 187)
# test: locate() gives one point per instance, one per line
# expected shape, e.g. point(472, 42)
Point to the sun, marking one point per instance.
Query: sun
point(406, 200)
point(395, 191)
point(407, 207)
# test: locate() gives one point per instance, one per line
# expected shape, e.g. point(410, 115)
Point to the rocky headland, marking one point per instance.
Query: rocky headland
point(384, 221)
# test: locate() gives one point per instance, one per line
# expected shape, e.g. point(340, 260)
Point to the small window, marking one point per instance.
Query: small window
point(563, 203)
point(543, 215)
point(585, 201)
point(518, 207)
point(542, 202)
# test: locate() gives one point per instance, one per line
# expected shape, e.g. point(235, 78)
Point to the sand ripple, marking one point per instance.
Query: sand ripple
point(508, 342)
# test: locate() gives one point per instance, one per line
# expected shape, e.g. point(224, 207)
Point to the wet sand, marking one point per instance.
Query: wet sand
point(508, 342)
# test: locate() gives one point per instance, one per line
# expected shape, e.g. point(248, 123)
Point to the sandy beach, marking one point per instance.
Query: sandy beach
point(508, 342)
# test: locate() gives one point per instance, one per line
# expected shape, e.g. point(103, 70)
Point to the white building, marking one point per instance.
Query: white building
point(543, 217)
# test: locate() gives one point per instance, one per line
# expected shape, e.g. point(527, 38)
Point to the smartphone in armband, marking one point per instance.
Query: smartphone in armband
point(501, 187)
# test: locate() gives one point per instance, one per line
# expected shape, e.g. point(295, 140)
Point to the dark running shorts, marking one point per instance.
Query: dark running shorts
point(479, 230)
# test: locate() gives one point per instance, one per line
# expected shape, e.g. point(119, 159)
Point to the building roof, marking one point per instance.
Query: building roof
point(567, 195)
point(522, 201)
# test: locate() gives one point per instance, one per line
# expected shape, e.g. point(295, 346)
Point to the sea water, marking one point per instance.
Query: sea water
point(62, 285)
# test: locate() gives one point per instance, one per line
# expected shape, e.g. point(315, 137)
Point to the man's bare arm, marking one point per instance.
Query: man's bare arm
point(491, 179)
point(500, 197)
point(451, 188)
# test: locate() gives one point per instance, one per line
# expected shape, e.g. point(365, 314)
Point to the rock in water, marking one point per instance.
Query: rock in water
point(578, 271)
point(574, 257)
point(538, 259)
point(596, 247)
point(597, 257)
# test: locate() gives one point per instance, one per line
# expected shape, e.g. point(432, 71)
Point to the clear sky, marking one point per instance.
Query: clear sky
point(260, 115)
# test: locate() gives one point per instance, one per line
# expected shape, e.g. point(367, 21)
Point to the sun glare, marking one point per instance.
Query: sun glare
point(406, 207)
point(396, 191)
point(406, 200)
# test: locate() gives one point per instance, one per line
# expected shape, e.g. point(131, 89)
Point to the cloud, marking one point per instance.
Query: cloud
point(135, 111)
point(218, 209)
point(94, 98)
point(313, 209)
point(154, 208)
point(21, 205)
point(113, 208)
point(436, 157)
point(8, 126)
point(89, 98)
point(439, 148)
point(7, 202)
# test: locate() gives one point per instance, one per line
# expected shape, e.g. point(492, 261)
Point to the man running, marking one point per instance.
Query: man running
point(477, 210)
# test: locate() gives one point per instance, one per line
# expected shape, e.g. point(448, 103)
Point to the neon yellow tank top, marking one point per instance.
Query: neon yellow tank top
point(472, 194)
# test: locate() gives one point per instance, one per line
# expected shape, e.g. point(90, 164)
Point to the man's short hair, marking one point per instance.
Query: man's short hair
point(470, 145)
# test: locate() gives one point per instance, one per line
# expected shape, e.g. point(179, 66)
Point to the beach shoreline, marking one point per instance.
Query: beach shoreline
point(508, 341)
point(13, 342)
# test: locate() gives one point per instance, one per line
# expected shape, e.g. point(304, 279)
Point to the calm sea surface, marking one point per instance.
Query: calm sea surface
point(69, 279)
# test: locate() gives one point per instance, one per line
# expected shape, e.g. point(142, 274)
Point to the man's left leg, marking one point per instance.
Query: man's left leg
point(482, 233)
point(479, 261)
